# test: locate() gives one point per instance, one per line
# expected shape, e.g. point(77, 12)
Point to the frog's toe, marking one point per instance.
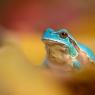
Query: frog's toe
point(76, 64)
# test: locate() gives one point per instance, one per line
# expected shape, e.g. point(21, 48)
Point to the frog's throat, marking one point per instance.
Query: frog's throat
point(57, 53)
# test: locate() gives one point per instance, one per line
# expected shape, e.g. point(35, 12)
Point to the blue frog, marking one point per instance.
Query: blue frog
point(62, 48)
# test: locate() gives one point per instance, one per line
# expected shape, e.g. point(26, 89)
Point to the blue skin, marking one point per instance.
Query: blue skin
point(52, 35)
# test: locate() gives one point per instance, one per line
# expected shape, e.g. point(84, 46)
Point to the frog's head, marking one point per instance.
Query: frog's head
point(62, 38)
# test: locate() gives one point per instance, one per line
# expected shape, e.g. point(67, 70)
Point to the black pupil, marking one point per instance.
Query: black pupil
point(63, 35)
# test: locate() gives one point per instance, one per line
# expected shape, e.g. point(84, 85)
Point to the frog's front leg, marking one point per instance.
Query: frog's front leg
point(76, 64)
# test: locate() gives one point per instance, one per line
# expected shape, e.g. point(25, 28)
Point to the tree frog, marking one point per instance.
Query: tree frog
point(63, 50)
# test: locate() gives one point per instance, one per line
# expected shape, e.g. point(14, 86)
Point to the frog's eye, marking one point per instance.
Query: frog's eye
point(63, 35)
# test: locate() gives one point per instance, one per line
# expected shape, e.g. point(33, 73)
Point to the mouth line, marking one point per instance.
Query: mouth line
point(51, 42)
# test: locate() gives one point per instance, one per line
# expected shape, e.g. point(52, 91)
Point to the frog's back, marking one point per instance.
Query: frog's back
point(87, 50)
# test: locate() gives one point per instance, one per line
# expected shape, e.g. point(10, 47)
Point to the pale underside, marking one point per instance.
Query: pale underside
point(59, 58)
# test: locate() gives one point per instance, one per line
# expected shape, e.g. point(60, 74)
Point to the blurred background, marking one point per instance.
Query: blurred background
point(25, 21)
point(22, 23)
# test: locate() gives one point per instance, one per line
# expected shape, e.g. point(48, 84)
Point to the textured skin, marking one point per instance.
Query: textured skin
point(77, 52)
